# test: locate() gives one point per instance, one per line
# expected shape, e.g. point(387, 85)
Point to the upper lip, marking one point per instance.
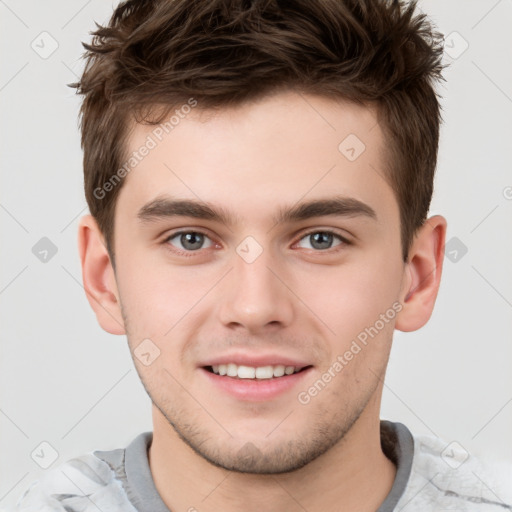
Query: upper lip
point(255, 361)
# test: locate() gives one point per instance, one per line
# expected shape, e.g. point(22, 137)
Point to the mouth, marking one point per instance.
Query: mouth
point(255, 383)
point(243, 372)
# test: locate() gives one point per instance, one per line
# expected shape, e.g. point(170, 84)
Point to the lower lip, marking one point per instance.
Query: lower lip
point(255, 390)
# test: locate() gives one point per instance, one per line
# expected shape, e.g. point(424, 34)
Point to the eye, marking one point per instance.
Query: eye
point(323, 240)
point(188, 241)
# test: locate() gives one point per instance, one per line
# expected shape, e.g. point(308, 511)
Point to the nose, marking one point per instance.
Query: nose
point(256, 296)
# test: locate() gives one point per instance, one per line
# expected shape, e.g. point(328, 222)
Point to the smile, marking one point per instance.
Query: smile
point(251, 372)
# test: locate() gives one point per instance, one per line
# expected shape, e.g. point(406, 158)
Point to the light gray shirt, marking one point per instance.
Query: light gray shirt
point(432, 475)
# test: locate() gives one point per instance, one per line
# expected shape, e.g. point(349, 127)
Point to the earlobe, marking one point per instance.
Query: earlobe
point(422, 275)
point(98, 276)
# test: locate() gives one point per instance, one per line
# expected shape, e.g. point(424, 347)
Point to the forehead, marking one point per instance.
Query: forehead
point(271, 152)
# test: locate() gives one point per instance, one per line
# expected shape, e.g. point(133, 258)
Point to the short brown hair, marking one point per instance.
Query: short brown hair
point(156, 53)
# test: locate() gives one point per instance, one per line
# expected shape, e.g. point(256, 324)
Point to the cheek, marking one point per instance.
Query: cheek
point(156, 296)
point(351, 297)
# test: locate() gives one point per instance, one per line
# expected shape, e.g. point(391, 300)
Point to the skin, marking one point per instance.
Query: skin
point(210, 450)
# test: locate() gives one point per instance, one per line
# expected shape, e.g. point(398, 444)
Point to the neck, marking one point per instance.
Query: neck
point(353, 475)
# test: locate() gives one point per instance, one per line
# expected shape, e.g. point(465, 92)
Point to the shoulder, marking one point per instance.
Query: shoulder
point(446, 475)
point(85, 483)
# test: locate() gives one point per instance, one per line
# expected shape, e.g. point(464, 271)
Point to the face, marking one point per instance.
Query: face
point(260, 241)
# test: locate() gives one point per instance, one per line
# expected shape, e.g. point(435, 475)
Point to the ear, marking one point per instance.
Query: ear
point(422, 275)
point(99, 277)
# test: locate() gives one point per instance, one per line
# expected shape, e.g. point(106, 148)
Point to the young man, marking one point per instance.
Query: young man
point(259, 175)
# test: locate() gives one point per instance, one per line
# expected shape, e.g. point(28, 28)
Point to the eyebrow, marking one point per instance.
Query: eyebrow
point(339, 206)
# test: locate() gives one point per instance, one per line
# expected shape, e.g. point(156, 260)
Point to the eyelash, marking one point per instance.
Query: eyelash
point(188, 254)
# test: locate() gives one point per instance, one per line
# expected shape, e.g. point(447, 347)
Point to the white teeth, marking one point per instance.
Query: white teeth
point(264, 372)
point(246, 372)
point(250, 372)
point(232, 370)
point(278, 370)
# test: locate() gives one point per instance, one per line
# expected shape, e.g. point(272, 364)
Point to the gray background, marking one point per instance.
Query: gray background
point(66, 382)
